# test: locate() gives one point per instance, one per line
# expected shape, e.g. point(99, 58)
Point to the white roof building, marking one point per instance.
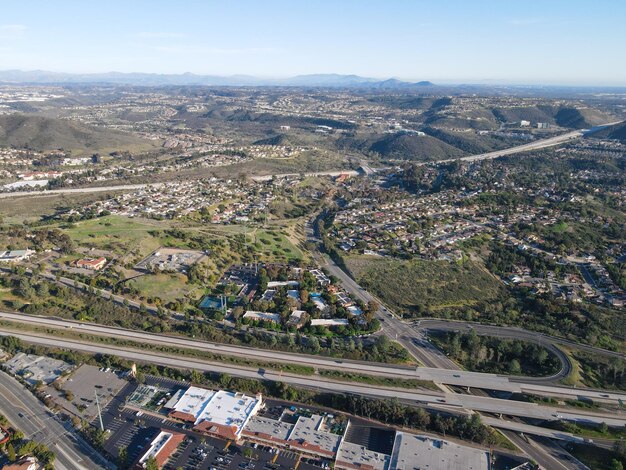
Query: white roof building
point(218, 412)
point(262, 316)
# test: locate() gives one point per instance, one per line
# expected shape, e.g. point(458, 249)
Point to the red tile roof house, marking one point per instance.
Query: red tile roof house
point(5, 435)
point(95, 264)
point(160, 448)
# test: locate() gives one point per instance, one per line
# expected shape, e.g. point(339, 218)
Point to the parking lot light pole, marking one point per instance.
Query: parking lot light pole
point(99, 411)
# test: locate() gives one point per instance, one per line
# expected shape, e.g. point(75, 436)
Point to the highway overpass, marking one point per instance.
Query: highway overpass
point(451, 401)
point(443, 376)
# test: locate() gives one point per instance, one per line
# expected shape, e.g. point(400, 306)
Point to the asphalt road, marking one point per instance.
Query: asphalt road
point(539, 144)
point(505, 332)
point(98, 189)
point(544, 453)
point(543, 143)
point(441, 376)
point(512, 332)
point(474, 380)
point(131, 187)
point(29, 415)
point(454, 402)
point(530, 429)
point(392, 326)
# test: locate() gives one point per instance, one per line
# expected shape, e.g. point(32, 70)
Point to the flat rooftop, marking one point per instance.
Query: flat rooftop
point(270, 427)
point(220, 407)
point(361, 457)
point(193, 401)
point(35, 368)
point(308, 430)
point(417, 452)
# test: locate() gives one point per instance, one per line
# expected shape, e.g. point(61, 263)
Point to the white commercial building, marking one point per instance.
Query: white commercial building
point(219, 412)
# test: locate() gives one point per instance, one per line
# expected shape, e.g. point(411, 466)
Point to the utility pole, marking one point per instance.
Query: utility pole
point(99, 411)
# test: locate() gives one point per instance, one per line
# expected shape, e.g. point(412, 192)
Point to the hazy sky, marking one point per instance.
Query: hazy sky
point(548, 41)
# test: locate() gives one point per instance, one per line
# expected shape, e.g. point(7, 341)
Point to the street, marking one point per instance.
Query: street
point(31, 416)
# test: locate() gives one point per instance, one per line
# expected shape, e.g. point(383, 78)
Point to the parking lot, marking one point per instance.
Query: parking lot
point(134, 429)
point(82, 386)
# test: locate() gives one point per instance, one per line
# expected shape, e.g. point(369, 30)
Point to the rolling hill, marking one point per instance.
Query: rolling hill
point(42, 133)
point(414, 148)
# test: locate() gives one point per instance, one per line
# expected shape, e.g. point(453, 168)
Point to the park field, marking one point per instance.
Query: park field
point(122, 236)
point(168, 287)
point(272, 244)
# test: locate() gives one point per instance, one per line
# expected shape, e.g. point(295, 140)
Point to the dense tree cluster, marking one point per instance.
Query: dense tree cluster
point(497, 355)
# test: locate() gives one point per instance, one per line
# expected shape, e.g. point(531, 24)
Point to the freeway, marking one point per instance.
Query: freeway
point(132, 187)
point(29, 415)
point(530, 429)
point(440, 376)
point(95, 189)
point(451, 401)
point(539, 144)
point(460, 378)
point(545, 453)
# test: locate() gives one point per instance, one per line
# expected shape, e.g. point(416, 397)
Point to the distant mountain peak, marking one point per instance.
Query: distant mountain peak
point(331, 80)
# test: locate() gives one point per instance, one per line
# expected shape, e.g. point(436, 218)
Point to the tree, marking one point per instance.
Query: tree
point(373, 306)
point(515, 367)
point(151, 464)
point(247, 452)
point(122, 457)
point(383, 344)
point(616, 465)
point(11, 452)
point(314, 343)
point(237, 312)
point(196, 377)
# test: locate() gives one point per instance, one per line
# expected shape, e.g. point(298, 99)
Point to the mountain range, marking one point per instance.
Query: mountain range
point(155, 79)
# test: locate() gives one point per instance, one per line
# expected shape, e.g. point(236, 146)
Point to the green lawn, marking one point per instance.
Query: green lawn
point(122, 236)
point(94, 230)
point(271, 243)
point(168, 287)
point(274, 244)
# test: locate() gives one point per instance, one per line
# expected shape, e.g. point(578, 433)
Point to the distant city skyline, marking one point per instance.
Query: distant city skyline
point(536, 42)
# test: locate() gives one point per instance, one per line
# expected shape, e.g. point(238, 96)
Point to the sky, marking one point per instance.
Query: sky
point(552, 42)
